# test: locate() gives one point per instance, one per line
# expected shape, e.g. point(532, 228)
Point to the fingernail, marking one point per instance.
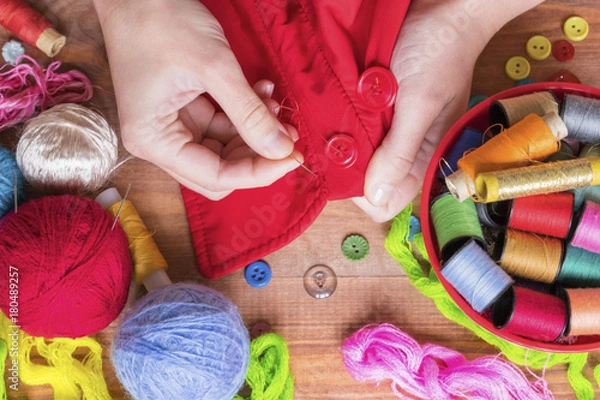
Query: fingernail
point(294, 135)
point(269, 88)
point(383, 194)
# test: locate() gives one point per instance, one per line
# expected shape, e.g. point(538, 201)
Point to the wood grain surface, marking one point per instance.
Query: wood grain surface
point(374, 290)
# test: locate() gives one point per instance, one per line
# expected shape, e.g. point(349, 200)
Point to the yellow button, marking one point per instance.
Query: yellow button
point(538, 47)
point(517, 68)
point(576, 28)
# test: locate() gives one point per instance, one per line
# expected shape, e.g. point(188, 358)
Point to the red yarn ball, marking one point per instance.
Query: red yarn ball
point(72, 271)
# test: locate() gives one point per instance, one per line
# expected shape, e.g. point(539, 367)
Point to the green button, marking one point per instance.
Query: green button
point(355, 247)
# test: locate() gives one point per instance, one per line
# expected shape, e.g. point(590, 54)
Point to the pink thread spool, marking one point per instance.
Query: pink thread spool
point(587, 233)
point(531, 314)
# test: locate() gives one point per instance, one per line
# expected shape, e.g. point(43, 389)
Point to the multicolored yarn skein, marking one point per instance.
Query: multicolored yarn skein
point(383, 352)
point(73, 270)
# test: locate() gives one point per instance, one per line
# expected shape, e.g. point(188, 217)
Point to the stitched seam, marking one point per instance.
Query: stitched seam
point(328, 64)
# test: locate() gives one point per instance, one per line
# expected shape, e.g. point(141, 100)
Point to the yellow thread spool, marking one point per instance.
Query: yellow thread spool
point(149, 263)
point(553, 177)
point(533, 138)
point(147, 258)
point(531, 256)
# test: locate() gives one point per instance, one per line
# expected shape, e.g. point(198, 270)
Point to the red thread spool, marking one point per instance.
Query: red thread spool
point(30, 27)
point(530, 314)
point(547, 214)
point(70, 270)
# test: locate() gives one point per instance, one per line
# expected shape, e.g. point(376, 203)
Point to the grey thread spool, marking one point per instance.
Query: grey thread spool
point(582, 117)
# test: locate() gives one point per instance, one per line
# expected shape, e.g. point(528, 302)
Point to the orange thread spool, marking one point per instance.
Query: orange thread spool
point(585, 314)
point(528, 140)
point(532, 139)
point(530, 256)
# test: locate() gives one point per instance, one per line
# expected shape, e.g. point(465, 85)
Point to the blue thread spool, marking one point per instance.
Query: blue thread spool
point(469, 139)
point(8, 169)
point(476, 276)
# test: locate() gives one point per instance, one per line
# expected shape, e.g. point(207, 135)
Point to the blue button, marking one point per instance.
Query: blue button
point(525, 81)
point(258, 274)
point(415, 227)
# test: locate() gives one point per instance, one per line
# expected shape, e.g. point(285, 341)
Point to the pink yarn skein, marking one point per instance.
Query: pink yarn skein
point(377, 353)
point(26, 89)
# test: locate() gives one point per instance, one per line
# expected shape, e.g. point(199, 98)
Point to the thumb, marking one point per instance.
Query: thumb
point(395, 172)
point(255, 123)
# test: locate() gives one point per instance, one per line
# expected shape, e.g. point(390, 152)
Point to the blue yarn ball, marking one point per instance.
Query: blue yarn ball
point(8, 167)
point(182, 341)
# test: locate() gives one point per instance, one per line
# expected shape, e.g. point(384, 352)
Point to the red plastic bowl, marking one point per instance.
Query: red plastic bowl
point(478, 118)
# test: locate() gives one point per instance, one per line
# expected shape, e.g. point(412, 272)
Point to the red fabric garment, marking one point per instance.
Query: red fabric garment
point(315, 52)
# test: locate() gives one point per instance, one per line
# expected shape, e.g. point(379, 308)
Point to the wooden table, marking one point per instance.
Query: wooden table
point(374, 290)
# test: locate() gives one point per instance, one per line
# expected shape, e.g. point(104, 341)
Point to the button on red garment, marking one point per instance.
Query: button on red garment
point(563, 50)
point(341, 150)
point(377, 88)
point(564, 76)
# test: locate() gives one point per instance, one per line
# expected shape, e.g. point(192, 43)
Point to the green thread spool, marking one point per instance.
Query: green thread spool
point(455, 223)
point(581, 268)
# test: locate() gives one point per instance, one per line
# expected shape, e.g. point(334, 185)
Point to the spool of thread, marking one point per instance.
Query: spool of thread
point(31, 27)
point(588, 193)
point(73, 270)
point(585, 315)
point(558, 176)
point(587, 232)
point(149, 265)
point(183, 341)
point(67, 149)
point(565, 152)
point(530, 256)
point(508, 112)
point(590, 150)
point(10, 176)
point(468, 140)
point(580, 268)
point(581, 116)
point(475, 276)
point(493, 215)
point(27, 88)
point(531, 314)
point(455, 224)
point(380, 353)
point(533, 138)
point(546, 214)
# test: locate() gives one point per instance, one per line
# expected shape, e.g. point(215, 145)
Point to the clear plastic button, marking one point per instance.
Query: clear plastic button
point(320, 281)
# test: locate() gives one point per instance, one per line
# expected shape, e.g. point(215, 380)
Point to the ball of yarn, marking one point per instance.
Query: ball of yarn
point(67, 149)
point(69, 271)
point(8, 168)
point(182, 341)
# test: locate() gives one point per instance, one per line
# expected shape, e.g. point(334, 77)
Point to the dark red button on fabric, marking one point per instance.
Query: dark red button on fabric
point(377, 88)
point(563, 50)
point(341, 149)
point(564, 76)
